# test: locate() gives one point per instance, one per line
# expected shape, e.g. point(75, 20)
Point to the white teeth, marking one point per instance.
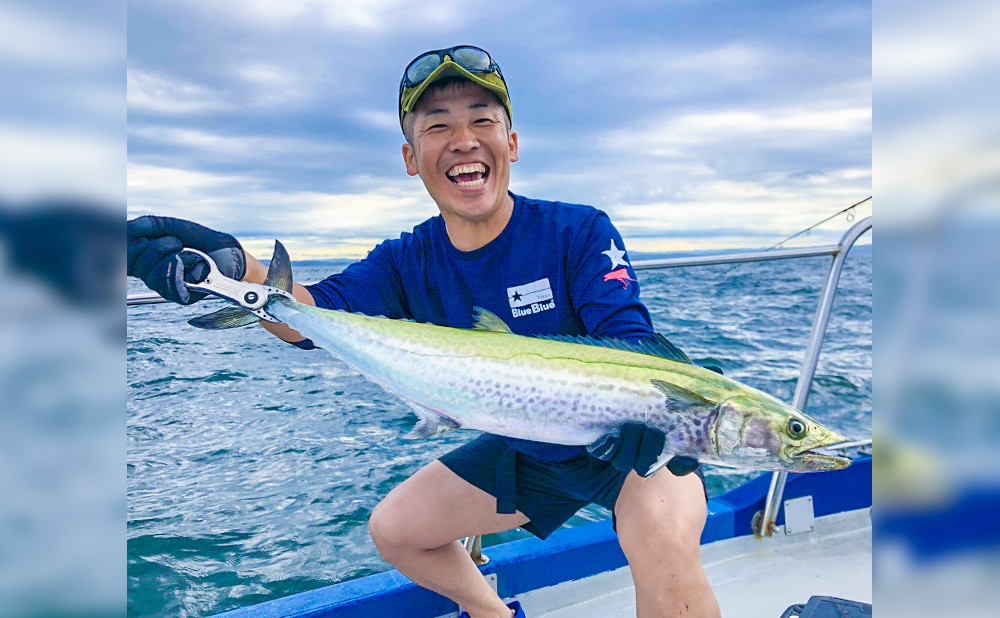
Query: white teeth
point(467, 168)
point(472, 183)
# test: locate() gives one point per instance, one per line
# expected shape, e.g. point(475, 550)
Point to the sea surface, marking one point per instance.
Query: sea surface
point(253, 466)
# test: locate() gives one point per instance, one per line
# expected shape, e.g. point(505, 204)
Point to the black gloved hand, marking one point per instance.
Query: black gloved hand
point(634, 446)
point(154, 255)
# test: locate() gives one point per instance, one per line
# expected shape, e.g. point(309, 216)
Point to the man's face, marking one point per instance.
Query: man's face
point(462, 151)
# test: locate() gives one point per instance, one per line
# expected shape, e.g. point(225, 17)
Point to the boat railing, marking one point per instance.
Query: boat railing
point(765, 525)
point(838, 254)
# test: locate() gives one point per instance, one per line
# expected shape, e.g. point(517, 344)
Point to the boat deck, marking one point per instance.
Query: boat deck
point(752, 578)
point(581, 572)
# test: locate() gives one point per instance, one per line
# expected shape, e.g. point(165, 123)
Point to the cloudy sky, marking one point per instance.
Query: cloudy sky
point(695, 124)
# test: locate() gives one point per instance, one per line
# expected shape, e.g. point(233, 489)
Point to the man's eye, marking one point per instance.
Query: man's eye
point(484, 121)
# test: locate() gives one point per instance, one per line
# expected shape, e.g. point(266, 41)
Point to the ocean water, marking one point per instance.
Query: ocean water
point(253, 466)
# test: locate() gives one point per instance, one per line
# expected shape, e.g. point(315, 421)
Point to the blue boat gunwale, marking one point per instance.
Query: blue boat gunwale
point(569, 554)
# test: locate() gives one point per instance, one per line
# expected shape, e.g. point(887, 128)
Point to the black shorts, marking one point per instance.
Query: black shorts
point(547, 492)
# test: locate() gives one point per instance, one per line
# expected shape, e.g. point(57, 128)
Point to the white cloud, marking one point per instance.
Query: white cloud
point(275, 85)
point(264, 85)
point(183, 193)
point(684, 226)
point(380, 119)
point(720, 213)
point(148, 91)
point(348, 16)
point(733, 62)
point(317, 224)
point(715, 130)
point(798, 124)
point(240, 147)
point(151, 179)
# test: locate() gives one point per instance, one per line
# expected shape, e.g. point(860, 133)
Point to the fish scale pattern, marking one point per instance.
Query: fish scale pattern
point(560, 392)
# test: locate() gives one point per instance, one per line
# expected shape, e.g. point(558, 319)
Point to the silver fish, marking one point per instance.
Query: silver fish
point(555, 389)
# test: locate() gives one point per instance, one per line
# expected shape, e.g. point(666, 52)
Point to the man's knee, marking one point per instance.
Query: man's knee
point(655, 525)
point(658, 543)
point(390, 532)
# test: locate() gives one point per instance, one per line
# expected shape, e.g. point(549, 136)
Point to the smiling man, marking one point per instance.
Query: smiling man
point(461, 146)
point(545, 268)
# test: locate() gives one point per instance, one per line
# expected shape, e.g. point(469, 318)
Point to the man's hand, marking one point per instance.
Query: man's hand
point(154, 255)
point(634, 446)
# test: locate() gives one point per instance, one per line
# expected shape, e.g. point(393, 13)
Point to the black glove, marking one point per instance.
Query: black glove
point(154, 255)
point(634, 446)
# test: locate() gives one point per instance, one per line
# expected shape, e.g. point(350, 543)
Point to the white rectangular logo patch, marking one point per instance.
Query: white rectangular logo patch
point(534, 292)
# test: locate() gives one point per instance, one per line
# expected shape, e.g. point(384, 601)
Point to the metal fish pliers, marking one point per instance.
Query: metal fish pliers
point(251, 297)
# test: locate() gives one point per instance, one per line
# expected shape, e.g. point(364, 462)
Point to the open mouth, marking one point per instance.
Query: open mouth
point(813, 460)
point(469, 174)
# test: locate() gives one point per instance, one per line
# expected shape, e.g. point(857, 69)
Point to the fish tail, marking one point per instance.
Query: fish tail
point(279, 275)
point(230, 317)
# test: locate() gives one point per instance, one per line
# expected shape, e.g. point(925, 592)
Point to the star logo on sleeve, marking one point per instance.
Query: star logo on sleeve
point(616, 255)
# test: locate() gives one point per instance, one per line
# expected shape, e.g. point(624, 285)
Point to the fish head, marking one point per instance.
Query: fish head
point(765, 433)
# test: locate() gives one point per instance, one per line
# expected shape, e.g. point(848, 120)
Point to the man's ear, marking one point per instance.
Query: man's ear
point(409, 157)
point(512, 142)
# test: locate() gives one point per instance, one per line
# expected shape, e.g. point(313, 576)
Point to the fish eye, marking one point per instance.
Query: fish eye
point(795, 428)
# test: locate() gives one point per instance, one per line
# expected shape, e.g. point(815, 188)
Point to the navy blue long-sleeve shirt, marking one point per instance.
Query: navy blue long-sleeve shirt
point(555, 269)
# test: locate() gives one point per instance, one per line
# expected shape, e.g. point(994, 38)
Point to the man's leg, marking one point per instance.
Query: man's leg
point(417, 526)
point(660, 520)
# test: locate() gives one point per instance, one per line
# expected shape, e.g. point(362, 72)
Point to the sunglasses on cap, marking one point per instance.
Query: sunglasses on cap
point(468, 61)
point(469, 57)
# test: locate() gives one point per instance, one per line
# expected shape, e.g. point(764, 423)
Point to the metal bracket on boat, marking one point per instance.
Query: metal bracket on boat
point(757, 521)
point(474, 545)
point(799, 515)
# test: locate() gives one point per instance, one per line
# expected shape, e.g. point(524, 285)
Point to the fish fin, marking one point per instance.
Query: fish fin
point(659, 346)
point(659, 463)
point(430, 426)
point(230, 317)
point(484, 319)
point(431, 422)
point(680, 394)
point(279, 271)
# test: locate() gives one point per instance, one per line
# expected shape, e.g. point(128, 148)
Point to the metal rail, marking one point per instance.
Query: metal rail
point(802, 387)
point(736, 258)
point(144, 298)
point(846, 446)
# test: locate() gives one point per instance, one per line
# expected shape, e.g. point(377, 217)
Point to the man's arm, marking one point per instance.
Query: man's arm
point(603, 285)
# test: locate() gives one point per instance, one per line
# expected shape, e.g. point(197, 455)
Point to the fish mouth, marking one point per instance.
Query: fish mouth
point(810, 459)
